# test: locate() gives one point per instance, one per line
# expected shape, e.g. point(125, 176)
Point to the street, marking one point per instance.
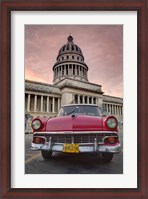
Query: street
point(62, 163)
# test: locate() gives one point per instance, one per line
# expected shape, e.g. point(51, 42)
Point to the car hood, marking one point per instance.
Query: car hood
point(75, 123)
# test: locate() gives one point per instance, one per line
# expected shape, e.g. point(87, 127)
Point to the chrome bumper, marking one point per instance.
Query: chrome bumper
point(85, 147)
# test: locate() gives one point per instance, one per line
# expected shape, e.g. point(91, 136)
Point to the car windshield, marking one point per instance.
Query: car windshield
point(80, 109)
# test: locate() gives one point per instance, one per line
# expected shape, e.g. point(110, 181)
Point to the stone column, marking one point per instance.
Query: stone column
point(53, 105)
point(28, 103)
point(109, 108)
point(35, 103)
point(59, 105)
point(47, 110)
point(78, 70)
point(96, 101)
point(78, 99)
point(57, 72)
point(113, 109)
point(119, 111)
point(71, 69)
point(64, 69)
point(41, 103)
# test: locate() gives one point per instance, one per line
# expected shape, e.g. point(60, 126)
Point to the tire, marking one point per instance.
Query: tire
point(107, 157)
point(46, 154)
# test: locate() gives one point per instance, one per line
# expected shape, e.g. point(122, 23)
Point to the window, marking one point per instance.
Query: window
point(66, 69)
point(80, 110)
point(73, 69)
point(77, 70)
point(76, 99)
point(68, 47)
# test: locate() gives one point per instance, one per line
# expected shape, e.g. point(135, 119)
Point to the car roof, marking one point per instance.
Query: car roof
point(79, 105)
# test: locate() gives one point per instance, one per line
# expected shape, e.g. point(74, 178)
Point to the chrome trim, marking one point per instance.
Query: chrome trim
point(75, 132)
point(95, 144)
point(105, 137)
point(41, 137)
point(82, 148)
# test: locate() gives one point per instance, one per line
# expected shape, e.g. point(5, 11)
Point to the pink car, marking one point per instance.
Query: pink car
point(78, 128)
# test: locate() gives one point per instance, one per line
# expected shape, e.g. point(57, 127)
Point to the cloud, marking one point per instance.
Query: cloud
point(102, 47)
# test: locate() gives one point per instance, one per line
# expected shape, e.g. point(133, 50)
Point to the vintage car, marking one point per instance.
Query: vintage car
point(78, 128)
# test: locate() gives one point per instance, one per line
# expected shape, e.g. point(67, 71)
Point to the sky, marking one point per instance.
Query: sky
point(101, 45)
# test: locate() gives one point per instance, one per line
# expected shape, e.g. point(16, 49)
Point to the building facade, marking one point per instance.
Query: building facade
point(70, 86)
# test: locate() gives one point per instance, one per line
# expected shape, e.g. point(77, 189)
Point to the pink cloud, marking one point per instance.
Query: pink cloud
point(102, 47)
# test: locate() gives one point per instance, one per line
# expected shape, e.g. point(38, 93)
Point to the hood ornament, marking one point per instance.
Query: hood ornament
point(73, 115)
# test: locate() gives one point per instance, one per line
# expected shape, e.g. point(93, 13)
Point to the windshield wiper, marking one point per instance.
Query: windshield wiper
point(70, 112)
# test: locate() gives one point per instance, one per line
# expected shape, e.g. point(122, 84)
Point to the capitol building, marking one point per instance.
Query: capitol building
point(70, 86)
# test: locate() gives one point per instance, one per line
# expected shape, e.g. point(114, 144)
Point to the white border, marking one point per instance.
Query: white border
point(126, 180)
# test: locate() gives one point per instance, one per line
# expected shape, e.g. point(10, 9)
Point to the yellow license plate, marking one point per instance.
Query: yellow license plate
point(71, 148)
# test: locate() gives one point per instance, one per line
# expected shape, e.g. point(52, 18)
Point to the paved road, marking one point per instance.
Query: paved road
point(62, 163)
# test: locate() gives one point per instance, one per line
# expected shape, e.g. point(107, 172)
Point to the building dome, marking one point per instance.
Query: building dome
point(70, 63)
point(70, 47)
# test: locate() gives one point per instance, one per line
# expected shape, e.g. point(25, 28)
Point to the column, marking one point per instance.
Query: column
point(68, 71)
point(28, 103)
point(78, 70)
point(107, 108)
point(42, 103)
point(78, 99)
point(97, 101)
point(47, 110)
point(35, 102)
point(119, 111)
point(71, 69)
point(59, 105)
point(53, 105)
point(57, 72)
point(113, 109)
point(64, 69)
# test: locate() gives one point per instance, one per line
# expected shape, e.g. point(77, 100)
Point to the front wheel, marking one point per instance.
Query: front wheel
point(46, 154)
point(107, 157)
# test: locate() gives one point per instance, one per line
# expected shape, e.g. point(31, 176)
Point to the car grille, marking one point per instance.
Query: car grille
point(77, 138)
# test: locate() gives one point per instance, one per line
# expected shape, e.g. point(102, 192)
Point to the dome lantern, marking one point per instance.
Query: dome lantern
point(70, 38)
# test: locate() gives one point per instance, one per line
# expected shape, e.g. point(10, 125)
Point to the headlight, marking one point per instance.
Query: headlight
point(36, 124)
point(111, 123)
